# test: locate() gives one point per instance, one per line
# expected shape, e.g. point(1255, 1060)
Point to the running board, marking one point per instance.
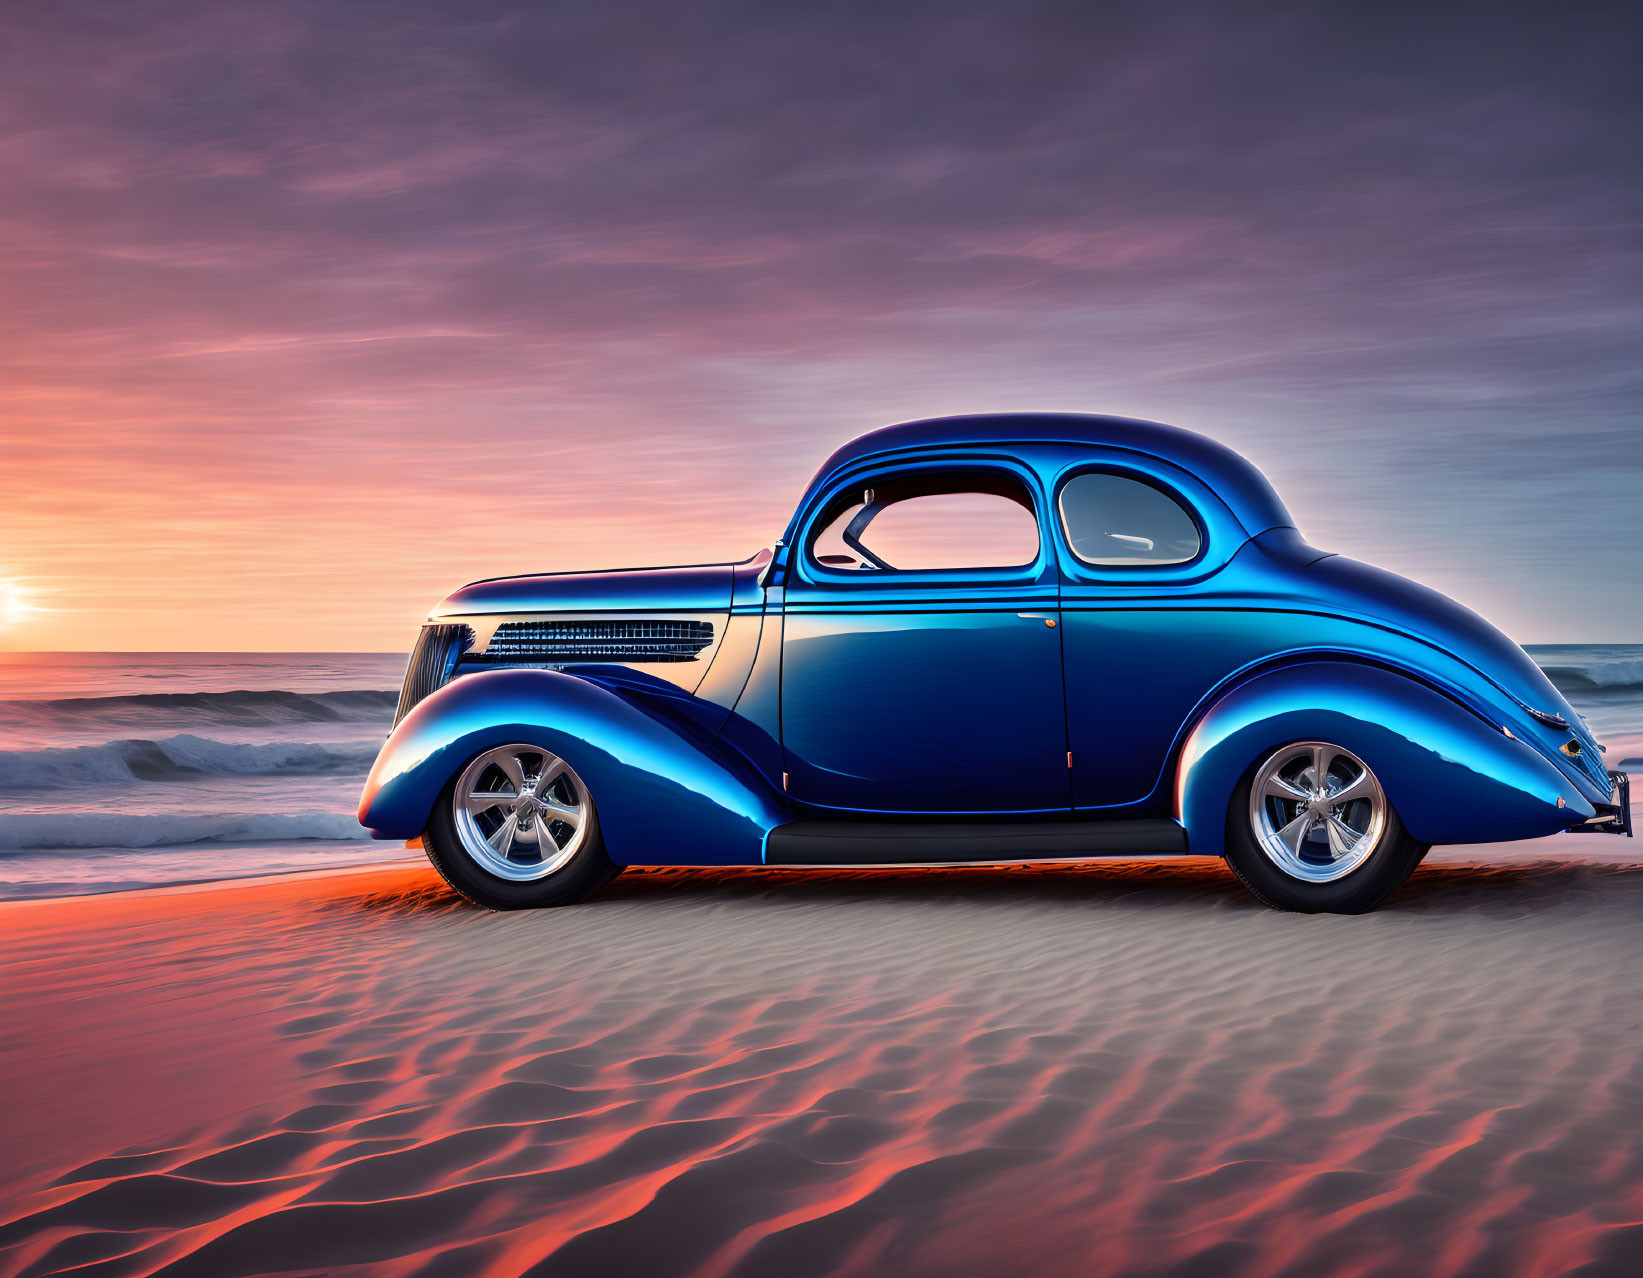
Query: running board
point(931, 842)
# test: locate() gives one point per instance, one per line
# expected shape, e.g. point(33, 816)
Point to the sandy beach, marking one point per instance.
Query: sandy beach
point(1100, 1069)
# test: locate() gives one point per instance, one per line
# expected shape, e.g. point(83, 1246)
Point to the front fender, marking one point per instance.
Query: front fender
point(666, 792)
point(1451, 776)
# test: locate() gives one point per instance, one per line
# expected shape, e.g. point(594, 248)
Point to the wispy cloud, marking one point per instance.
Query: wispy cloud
point(313, 311)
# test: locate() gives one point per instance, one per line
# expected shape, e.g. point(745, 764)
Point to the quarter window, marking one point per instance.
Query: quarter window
point(1115, 522)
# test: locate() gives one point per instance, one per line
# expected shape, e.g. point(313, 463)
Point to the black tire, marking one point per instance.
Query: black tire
point(1392, 861)
point(577, 880)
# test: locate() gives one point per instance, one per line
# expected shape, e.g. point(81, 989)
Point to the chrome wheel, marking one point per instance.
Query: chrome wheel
point(1318, 813)
point(521, 812)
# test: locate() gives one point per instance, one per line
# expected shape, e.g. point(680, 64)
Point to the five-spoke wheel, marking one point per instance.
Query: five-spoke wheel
point(1317, 811)
point(521, 812)
point(516, 828)
point(1311, 829)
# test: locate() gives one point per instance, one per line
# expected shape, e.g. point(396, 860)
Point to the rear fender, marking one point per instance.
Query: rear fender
point(1451, 776)
point(667, 792)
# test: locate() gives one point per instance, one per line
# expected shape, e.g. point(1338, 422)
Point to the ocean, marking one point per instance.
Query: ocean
point(127, 770)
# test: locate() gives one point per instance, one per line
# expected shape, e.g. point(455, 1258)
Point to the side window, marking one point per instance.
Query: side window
point(1114, 522)
point(925, 523)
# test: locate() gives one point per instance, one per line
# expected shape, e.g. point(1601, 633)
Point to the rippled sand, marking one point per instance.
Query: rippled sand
point(1118, 1068)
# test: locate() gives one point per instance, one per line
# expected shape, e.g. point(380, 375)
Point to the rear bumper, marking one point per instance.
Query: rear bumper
point(1613, 817)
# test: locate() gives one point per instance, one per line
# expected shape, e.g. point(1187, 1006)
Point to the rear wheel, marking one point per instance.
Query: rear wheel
point(1311, 830)
point(516, 829)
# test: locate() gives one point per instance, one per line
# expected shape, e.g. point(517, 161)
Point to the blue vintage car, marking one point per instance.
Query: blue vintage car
point(984, 639)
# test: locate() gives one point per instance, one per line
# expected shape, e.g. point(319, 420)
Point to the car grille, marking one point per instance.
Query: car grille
point(555, 641)
point(432, 661)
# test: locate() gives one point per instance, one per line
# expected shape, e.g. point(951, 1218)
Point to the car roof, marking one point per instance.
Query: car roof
point(1235, 479)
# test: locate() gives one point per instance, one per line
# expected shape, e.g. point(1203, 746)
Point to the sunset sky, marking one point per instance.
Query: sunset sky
point(311, 312)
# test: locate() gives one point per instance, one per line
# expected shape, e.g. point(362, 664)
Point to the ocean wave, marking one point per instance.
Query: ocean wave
point(244, 707)
point(1612, 677)
point(174, 759)
point(149, 830)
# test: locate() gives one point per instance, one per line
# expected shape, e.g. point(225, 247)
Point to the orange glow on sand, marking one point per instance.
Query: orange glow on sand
point(1029, 1072)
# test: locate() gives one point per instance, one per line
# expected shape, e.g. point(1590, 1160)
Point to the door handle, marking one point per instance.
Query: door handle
point(1038, 616)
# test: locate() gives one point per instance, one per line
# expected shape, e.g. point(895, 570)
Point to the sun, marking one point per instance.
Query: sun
point(15, 607)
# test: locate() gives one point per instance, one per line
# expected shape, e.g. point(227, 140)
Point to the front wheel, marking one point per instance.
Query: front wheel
point(1311, 830)
point(517, 829)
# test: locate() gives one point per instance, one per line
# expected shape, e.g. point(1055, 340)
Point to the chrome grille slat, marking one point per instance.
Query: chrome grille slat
point(598, 641)
point(430, 664)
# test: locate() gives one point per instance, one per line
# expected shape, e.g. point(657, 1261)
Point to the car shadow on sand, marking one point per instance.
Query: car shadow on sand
point(1187, 882)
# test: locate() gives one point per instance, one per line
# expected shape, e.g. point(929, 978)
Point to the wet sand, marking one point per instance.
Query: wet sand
point(1082, 1070)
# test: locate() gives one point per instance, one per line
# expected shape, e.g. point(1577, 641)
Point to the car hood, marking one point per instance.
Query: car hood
point(698, 588)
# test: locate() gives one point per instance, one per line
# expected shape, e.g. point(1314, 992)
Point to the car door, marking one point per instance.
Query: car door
point(921, 651)
point(1145, 630)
